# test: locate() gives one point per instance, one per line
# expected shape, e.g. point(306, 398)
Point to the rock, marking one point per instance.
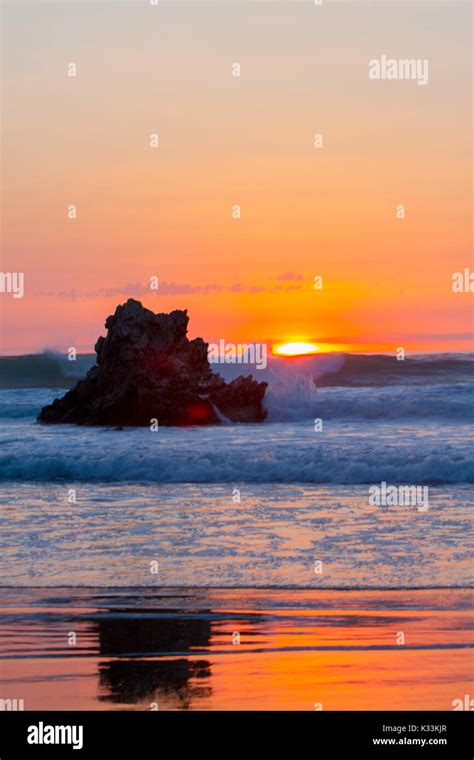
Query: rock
point(148, 369)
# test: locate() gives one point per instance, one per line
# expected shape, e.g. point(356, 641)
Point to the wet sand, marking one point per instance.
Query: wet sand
point(234, 649)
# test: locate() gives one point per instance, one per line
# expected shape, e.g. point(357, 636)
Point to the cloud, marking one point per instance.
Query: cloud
point(164, 288)
point(291, 277)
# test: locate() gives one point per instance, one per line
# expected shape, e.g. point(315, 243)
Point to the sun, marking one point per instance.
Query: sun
point(295, 349)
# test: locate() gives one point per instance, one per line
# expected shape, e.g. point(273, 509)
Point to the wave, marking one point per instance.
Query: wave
point(275, 453)
point(381, 370)
point(53, 370)
point(292, 398)
point(362, 371)
point(18, 403)
point(301, 401)
point(346, 386)
point(225, 468)
point(48, 370)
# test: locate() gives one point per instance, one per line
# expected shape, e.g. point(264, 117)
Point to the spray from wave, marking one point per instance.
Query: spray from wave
point(344, 386)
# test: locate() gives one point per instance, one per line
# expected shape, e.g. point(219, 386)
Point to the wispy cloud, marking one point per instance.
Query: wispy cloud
point(173, 288)
point(291, 277)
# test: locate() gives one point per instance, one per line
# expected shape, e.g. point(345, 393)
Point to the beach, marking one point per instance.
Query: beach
point(173, 649)
point(245, 566)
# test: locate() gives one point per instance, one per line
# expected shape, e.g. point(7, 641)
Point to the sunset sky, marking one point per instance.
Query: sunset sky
point(247, 140)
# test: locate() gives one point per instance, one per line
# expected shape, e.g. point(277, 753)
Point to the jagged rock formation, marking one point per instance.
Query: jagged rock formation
point(148, 369)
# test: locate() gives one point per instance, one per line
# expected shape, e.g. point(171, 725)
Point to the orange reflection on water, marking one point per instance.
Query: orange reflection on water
point(297, 650)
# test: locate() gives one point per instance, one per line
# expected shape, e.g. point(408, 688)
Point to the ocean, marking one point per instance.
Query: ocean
point(271, 522)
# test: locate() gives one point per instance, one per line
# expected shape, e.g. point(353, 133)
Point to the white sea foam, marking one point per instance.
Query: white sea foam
point(344, 452)
point(387, 421)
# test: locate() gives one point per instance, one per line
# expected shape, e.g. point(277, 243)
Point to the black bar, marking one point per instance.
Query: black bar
point(312, 735)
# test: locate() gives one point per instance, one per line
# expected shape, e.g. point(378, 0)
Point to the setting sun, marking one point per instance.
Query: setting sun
point(295, 349)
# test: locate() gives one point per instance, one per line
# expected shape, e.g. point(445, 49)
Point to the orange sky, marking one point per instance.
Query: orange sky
point(247, 140)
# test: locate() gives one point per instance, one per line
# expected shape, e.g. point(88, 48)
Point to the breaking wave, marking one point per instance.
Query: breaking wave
point(407, 429)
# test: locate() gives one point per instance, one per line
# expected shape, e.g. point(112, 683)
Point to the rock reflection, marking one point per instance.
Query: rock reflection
point(151, 662)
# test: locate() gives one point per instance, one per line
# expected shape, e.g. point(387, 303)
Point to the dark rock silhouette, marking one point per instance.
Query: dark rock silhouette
point(148, 369)
point(150, 673)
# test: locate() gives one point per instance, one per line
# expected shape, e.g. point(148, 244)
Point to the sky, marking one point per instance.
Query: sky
point(245, 140)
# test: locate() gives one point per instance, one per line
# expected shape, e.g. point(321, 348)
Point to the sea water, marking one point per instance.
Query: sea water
point(285, 503)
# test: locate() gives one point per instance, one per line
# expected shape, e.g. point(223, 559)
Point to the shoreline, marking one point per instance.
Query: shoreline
point(232, 649)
